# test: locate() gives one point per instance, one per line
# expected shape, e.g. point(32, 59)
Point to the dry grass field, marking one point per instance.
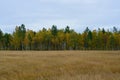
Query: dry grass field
point(59, 65)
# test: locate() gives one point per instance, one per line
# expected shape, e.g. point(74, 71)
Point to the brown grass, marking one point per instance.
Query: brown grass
point(59, 65)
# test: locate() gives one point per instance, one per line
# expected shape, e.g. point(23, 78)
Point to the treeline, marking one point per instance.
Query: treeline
point(60, 39)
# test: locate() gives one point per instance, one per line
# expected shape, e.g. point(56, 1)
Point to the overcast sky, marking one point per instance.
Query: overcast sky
point(78, 14)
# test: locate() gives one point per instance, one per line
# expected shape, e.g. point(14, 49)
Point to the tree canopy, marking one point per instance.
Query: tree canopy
point(60, 39)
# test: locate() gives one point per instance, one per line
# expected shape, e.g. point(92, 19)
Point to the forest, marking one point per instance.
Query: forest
point(60, 39)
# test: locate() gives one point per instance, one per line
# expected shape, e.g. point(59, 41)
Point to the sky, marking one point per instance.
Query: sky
point(78, 14)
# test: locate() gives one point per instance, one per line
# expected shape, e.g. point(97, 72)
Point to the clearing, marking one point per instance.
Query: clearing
point(59, 65)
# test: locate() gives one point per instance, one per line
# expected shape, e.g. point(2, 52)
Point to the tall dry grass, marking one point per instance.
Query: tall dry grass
point(59, 65)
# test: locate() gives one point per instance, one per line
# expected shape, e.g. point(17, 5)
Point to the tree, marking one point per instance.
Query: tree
point(47, 39)
point(103, 30)
point(85, 36)
point(89, 35)
point(54, 40)
point(54, 30)
point(60, 39)
point(67, 29)
point(89, 38)
point(7, 40)
point(111, 42)
point(67, 41)
point(28, 39)
point(73, 40)
point(1, 39)
point(94, 40)
point(86, 30)
point(19, 36)
point(115, 29)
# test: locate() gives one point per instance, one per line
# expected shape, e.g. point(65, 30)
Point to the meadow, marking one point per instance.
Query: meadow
point(59, 65)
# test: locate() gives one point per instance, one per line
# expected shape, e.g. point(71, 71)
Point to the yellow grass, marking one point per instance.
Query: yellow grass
point(59, 65)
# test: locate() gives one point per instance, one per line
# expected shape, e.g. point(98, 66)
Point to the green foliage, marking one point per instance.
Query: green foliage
point(60, 39)
point(67, 29)
point(54, 30)
point(19, 36)
point(1, 39)
point(7, 40)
